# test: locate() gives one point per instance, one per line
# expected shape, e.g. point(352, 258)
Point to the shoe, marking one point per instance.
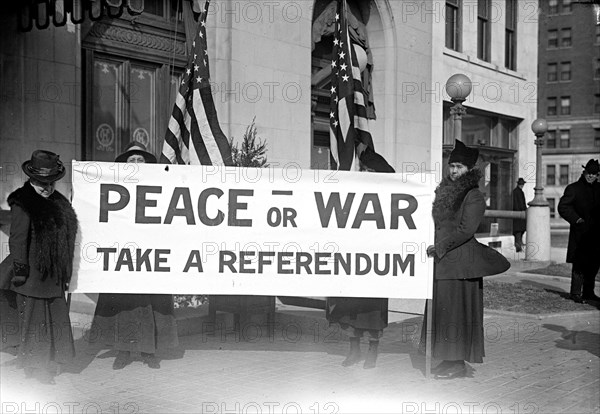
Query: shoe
point(371, 359)
point(456, 370)
point(576, 298)
point(590, 296)
point(354, 355)
point(122, 360)
point(150, 360)
point(46, 377)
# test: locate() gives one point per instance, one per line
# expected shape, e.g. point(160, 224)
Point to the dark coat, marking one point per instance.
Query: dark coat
point(41, 242)
point(457, 210)
point(518, 204)
point(582, 200)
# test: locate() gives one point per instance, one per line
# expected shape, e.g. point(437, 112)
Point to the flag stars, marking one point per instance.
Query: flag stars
point(343, 66)
point(333, 64)
point(341, 55)
point(188, 71)
point(333, 89)
point(345, 78)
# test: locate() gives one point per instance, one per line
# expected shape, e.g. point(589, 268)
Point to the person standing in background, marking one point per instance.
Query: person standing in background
point(580, 206)
point(518, 204)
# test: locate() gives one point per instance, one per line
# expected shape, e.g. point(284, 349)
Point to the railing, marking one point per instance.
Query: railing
point(507, 214)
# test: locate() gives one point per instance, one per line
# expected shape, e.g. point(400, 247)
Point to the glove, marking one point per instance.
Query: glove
point(21, 273)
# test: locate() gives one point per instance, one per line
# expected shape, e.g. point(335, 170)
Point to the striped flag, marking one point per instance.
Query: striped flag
point(194, 135)
point(349, 128)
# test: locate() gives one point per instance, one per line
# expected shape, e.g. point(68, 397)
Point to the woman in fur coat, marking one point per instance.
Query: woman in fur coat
point(42, 243)
point(134, 322)
point(460, 263)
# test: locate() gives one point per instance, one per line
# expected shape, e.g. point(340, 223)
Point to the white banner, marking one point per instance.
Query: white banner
point(183, 229)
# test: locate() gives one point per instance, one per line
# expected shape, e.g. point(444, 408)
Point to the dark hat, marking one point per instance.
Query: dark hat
point(463, 154)
point(44, 166)
point(592, 167)
point(521, 181)
point(374, 161)
point(134, 148)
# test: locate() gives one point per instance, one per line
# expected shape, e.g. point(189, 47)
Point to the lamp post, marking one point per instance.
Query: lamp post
point(538, 213)
point(458, 87)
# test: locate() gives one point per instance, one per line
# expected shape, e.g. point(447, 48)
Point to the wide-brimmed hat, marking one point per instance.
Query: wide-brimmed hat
point(592, 166)
point(463, 154)
point(374, 161)
point(44, 166)
point(136, 148)
point(521, 181)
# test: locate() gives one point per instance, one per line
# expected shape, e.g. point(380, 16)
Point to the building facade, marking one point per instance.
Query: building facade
point(83, 84)
point(569, 92)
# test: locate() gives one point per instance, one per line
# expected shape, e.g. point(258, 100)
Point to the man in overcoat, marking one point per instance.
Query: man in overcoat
point(580, 206)
point(518, 204)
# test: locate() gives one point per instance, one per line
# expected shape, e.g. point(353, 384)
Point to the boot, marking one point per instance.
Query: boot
point(371, 358)
point(354, 355)
point(150, 360)
point(122, 360)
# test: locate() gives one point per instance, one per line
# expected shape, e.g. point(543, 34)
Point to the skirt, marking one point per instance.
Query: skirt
point(45, 332)
point(359, 316)
point(134, 323)
point(457, 319)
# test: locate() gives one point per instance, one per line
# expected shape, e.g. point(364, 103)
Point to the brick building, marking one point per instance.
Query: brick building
point(569, 92)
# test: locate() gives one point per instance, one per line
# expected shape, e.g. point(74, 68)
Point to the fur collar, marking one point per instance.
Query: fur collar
point(54, 223)
point(449, 195)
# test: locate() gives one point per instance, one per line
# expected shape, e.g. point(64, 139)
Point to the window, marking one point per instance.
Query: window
point(551, 106)
point(551, 139)
point(597, 104)
point(453, 18)
point(552, 72)
point(597, 69)
point(565, 105)
point(566, 6)
point(553, 7)
point(483, 29)
point(550, 174)
point(510, 53)
point(565, 138)
point(565, 37)
point(597, 137)
point(565, 71)
point(564, 175)
point(552, 39)
point(552, 204)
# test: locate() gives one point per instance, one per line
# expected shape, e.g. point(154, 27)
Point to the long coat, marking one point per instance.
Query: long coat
point(459, 254)
point(582, 200)
point(518, 204)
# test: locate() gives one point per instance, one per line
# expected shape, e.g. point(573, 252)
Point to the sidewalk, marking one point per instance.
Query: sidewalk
point(550, 365)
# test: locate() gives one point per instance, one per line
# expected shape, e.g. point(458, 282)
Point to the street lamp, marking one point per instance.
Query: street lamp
point(458, 87)
point(538, 213)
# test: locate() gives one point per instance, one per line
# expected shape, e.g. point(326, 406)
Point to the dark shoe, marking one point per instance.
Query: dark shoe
point(576, 298)
point(45, 376)
point(456, 370)
point(371, 359)
point(122, 360)
point(150, 360)
point(354, 355)
point(591, 297)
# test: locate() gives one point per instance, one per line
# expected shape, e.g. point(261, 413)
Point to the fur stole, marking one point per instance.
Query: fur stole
point(54, 224)
point(449, 195)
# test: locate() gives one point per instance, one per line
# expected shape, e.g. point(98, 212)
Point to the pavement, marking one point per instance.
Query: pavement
point(533, 364)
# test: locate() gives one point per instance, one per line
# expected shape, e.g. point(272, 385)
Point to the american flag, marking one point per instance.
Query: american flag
point(194, 135)
point(349, 128)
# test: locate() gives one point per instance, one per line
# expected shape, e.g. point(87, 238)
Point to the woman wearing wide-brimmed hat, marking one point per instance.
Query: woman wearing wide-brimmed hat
point(42, 243)
point(135, 322)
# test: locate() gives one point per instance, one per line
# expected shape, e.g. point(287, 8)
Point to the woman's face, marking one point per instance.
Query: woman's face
point(136, 159)
point(457, 170)
point(43, 189)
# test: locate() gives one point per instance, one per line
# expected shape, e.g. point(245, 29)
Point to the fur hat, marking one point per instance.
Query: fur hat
point(592, 167)
point(375, 162)
point(463, 154)
point(136, 148)
point(44, 166)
